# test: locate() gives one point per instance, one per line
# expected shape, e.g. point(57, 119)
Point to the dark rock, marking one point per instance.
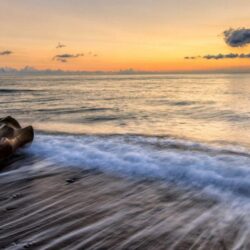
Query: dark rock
point(10, 208)
point(13, 136)
point(71, 180)
point(10, 122)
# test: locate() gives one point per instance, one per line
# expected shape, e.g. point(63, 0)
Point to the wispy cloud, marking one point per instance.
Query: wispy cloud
point(226, 56)
point(191, 57)
point(65, 57)
point(60, 45)
point(219, 56)
point(237, 37)
point(5, 53)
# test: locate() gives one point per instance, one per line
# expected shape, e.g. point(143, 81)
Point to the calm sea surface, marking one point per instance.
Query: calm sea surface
point(196, 107)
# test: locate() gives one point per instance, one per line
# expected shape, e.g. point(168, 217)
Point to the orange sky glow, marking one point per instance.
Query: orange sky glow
point(144, 35)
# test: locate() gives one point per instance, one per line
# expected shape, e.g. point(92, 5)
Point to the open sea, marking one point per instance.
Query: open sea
point(187, 130)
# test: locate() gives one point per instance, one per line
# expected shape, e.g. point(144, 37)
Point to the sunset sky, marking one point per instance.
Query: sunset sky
point(119, 34)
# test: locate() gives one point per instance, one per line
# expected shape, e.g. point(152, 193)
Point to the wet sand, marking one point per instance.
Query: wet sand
point(76, 209)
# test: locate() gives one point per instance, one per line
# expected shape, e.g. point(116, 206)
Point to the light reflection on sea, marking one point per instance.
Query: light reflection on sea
point(213, 107)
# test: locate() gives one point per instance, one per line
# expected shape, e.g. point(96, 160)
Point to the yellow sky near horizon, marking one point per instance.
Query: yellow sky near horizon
point(139, 34)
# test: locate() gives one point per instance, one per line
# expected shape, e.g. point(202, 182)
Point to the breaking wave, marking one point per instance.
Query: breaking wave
point(219, 170)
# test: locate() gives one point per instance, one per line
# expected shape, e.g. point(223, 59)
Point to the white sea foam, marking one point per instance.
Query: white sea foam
point(215, 169)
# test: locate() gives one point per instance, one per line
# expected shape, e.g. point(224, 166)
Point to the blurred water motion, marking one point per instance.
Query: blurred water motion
point(128, 162)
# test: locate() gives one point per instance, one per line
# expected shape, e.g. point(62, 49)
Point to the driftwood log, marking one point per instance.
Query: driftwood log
point(13, 136)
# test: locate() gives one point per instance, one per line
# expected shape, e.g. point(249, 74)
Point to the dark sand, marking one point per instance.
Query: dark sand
point(75, 209)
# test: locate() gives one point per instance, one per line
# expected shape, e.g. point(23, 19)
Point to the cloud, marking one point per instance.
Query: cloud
point(60, 45)
point(5, 53)
point(191, 57)
point(219, 56)
point(237, 37)
point(65, 57)
point(226, 56)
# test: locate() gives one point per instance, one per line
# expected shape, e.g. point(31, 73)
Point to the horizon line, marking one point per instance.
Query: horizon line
point(129, 71)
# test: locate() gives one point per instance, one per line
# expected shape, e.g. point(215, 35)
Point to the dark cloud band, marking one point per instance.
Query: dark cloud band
point(237, 37)
point(219, 56)
point(226, 56)
point(191, 57)
point(65, 57)
point(5, 53)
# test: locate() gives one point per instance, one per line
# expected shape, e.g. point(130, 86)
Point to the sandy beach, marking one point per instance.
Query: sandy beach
point(76, 209)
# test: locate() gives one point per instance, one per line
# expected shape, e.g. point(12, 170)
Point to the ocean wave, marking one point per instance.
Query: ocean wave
point(7, 90)
point(220, 170)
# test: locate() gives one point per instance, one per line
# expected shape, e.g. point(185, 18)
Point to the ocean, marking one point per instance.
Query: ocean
point(190, 131)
